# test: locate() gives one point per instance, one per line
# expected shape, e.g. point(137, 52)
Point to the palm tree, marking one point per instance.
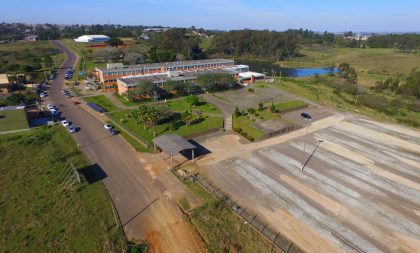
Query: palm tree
point(142, 114)
point(186, 117)
point(135, 114)
point(152, 118)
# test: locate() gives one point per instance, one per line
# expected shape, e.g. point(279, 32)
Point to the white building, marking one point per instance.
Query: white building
point(92, 38)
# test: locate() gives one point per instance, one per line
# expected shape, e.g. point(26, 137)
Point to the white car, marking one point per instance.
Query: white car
point(65, 123)
point(107, 126)
point(41, 95)
point(50, 107)
point(71, 129)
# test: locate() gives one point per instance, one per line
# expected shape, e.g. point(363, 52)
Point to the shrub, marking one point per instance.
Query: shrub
point(37, 139)
point(260, 106)
point(251, 110)
point(193, 100)
point(237, 113)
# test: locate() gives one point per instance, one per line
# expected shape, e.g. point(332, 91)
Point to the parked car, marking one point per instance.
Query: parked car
point(41, 95)
point(306, 116)
point(107, 126)
point(113, 132)
point(65, 123)
point(71, 129)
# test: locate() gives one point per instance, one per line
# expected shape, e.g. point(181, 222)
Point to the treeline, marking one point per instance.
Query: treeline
point(404, 42)
point(311, 37)
point(177, 43)
point(260, 44)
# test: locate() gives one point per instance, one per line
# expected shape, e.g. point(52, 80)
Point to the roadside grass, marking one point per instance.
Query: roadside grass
point(13, 120)
point(37, 215)
point(103, 102)
point(133, 142)
point(221, 228)
point(391, 109)
point(77, 49)
point(124, 101)
point(372, 64)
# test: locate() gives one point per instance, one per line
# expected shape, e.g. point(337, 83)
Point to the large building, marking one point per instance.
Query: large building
point(126, 84)
point(108, 76)
point(92, 38)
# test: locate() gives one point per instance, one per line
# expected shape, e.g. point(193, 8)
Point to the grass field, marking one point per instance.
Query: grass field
point(223, 230)
point(372, 64)
point(102, 101)
point(393, 111)
point(37, 215)
point(244, 123)
point(13, 120)
point(35, 45)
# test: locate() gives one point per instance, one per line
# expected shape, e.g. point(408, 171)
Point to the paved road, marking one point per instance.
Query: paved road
point(138, 200)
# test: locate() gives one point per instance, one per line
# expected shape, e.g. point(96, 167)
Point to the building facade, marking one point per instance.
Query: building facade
point(108, 76)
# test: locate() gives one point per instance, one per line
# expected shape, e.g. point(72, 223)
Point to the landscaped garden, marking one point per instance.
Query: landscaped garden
point(186, 117)
point(256, 123)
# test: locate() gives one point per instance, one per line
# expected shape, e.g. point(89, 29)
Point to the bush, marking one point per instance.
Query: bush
point(237, 113)
point(193, 100)
point(251, 110)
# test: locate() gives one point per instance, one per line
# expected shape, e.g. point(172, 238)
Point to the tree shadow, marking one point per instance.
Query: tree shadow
point(93, 173)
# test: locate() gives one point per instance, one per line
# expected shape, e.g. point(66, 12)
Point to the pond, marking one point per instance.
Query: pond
point(268, 67)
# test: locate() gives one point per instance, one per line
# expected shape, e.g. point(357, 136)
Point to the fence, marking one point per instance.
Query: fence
point(277, 132)
point(263, 228)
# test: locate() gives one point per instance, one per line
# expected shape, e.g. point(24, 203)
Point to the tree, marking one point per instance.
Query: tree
point(15, 99)
point(152, 118)
point(134, 58)
point(193, 100)
point(186, 117)
point(260, 106)
point(215, 82)
point(144, 89)
point(115, 42)
point(108, 54)
point(272, 107)
point(48, 61)
point(237, 112)
point(135, 114)
point(142, 114)
point(347, 72)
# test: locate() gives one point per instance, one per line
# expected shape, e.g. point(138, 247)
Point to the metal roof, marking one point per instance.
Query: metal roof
point(169, 64)
point(172, 144)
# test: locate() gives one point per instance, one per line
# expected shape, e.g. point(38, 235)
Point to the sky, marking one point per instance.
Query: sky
point(320, 15)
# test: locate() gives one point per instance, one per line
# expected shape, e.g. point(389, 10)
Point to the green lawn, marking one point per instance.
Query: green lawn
point(181, 105)
point(208, 123)
point(103, 102)
point(124, 101)
point(289, 105)
point(247, 128)
point(13, 120)
point(36, 214)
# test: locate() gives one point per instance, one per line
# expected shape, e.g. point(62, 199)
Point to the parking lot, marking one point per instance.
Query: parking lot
point(359, 190)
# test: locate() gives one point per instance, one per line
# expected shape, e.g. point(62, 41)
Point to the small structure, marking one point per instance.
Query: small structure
point(31, 38)
point(92, 38)
point(4, 84)
point(172, 144)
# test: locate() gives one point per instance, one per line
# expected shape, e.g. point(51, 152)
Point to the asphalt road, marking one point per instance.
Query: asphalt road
point(139, 203)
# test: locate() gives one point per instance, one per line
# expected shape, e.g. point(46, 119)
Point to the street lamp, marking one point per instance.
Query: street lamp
point(306, 117)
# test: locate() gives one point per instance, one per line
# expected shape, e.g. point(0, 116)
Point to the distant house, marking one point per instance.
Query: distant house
point(4, 84)
point(31, 38)
point(92, 38)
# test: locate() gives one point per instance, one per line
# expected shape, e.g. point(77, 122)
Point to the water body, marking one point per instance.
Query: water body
point(268, 67)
